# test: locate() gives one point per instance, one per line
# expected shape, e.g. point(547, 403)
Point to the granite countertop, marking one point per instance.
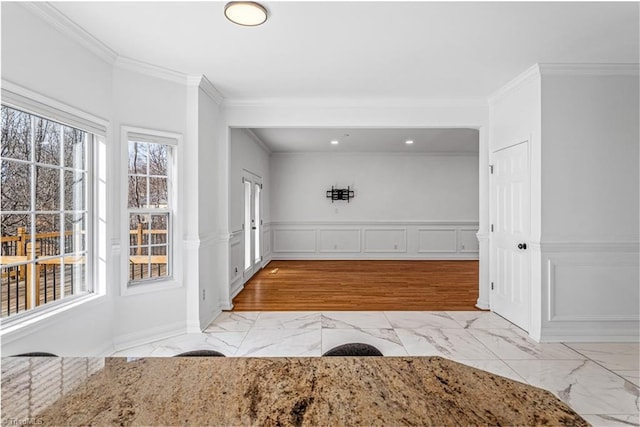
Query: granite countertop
point(273, 391)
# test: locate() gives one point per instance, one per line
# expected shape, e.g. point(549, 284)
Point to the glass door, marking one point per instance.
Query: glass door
point(252, 225)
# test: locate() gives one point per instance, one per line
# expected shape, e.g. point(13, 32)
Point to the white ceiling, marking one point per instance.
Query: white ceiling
point(363, 49)
point(369, 140)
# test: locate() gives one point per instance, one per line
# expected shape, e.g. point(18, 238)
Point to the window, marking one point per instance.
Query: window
point(150, 208)
point(46, 211)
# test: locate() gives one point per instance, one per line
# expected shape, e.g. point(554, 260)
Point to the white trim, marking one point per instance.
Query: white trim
point(575, 246)
point(38, 320)
point(381, 153)
point(175, 260)
point(357, 102)
point(149, 335)
point(380, 223)
point(371, 251)
point(528, 74)
point(359, 231)
point(455, 241)
point(21, 98)
point(151, 70)
point(66, 26)
point(372, 256)
point(257, 140)
point(206, 86)
point(595, 69)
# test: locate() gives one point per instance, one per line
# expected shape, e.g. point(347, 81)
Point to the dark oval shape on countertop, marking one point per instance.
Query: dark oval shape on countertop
point(354, 349)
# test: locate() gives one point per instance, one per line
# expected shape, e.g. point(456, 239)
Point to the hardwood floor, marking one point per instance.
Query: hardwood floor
point(361, 285)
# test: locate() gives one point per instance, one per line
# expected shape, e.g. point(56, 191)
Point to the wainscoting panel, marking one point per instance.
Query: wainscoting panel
point(374, 240)
point(437, 240)
point(590, 292)
point(467, 240)
point(235, 261)
point(339, 240)
point(595, 291)
point(294, 240)
point(389, 240)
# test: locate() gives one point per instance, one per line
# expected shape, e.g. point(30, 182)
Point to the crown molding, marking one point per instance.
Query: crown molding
point(69, 28)
point(528, 74)
point(258, 141)
point(151, 70)
point(207, 87)
point(357, 102)
point(629, 69)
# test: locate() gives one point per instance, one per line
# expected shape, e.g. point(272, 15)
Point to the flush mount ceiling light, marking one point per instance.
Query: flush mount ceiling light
point(246, 13)
point(408, 142)
point(335, 142)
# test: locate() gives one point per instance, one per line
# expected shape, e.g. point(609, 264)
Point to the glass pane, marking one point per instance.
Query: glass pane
point(74, 233)
point(74, 147)
point(160, 223)
point(48, 235)
point(138, 157)
point(138, 233)
point(15, 186)
point(256, 215)
point(247, 224)
point(51, 286)
point(158, 193)
point(47, 189)
point(74, 190)
point(76, 271)
point(47, 141)
point(158, 159)
point(159, 261)
point(137, 192)
point(15, 232)
point(16, 134)
point(139, 264)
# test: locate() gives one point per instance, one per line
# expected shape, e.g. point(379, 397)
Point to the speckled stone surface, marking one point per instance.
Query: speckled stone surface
point(303, 391)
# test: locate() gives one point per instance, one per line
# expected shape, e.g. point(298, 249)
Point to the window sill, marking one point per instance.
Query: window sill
point(39, 316)
point(154, 286)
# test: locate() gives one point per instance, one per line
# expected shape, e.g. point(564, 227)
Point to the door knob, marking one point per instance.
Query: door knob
point(522, 246)
point(253, 228)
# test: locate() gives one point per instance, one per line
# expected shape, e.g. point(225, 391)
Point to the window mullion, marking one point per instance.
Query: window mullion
point(61, 214)
point(32, 253)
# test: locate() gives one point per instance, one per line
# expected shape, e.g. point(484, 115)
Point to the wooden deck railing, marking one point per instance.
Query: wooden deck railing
point(16, 263)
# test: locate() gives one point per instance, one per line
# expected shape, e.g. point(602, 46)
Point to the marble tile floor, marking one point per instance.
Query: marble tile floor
point(600, 381)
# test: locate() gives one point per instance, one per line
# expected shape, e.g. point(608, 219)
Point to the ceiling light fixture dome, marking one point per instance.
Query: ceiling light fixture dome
point(246, 13)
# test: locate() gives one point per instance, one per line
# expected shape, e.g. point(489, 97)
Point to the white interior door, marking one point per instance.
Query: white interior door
point(511, 225)
point(252, 225)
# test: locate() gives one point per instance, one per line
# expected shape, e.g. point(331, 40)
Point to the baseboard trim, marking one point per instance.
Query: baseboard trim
point(148, 335)
point(381, 257)
point(209, 319)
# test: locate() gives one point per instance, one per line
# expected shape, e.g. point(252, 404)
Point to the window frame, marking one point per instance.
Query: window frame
point(96, 128)
point(174, 140)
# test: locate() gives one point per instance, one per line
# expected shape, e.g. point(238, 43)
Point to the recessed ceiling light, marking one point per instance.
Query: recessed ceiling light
point(409, 141)
point(247, 13)
point(335, 142)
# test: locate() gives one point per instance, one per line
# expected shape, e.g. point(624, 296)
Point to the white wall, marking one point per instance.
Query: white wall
point(211, 249)
point(370, 113)
point(247, 154)
point(515, 117)
point(582, 124)
point(388, 187)
point(419, 206)
point(37, 57)
point(590, 199)
point(155, 104)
